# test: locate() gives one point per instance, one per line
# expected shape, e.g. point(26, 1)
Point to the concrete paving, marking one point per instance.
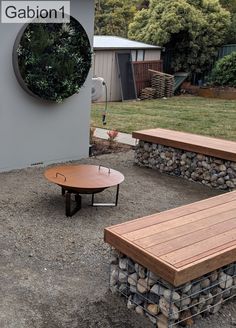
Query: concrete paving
point(124, 138)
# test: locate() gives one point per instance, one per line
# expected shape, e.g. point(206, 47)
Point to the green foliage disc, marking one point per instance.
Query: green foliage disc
point(53, 60)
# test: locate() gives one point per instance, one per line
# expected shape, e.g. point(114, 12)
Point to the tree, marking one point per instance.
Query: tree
point(230, 5)
point(231, 34)
point(112, 17)
point(143, 4)
point(193, 29)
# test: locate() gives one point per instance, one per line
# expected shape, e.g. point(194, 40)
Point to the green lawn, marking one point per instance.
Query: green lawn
point(205, 116)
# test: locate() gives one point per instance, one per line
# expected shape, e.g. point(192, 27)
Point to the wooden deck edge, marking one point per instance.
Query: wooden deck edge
point(200, 149)
point(176, 277)
point(150, 262)
point(213, 263)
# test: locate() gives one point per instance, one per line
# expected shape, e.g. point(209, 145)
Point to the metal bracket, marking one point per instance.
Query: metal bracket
point(107, 204)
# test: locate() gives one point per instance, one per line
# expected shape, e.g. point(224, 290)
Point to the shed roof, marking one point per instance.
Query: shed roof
point(114, 42)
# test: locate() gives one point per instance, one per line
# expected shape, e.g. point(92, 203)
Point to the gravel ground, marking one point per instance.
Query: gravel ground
point(54, 270)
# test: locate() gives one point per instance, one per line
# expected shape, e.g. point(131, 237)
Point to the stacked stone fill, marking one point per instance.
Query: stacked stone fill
point(211, 171)
point(165, 305)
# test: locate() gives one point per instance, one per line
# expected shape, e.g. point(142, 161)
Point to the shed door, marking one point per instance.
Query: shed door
point(126, 76)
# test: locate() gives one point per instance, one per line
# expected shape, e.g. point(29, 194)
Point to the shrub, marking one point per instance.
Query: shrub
point(112, 135)
point(224, 72)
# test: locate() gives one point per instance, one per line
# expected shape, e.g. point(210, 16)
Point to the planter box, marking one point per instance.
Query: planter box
point(221, 93)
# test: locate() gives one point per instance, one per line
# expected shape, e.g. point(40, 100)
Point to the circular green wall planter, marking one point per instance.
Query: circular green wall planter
point(52, 61)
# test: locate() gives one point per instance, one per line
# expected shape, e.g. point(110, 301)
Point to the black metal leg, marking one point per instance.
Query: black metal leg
point(117, 194)
point(63, 191)
point(107, 204)
point(78, 199)
point(68, 203)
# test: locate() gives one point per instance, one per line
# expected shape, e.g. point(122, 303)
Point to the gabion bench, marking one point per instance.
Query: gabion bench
point(197, 158)
point(179, 264)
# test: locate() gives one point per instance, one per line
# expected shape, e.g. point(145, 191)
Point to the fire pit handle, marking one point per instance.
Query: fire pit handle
point(99, 168)
point(61, 175)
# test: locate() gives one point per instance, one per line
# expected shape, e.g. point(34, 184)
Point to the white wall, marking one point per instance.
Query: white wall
point(33, 131)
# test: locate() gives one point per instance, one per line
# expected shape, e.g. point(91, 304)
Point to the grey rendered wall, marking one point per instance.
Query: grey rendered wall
point(33, 131)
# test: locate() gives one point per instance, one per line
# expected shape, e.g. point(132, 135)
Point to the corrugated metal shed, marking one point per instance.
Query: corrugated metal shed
point(105, 63)
point(115, 42)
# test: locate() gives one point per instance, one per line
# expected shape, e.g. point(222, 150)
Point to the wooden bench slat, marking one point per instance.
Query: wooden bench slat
point(219, 148)
point(147, 221)
point(184, 137)
point(178, 257)
point(180, 221)
point(212, 251)
point(189, 239)
point(162, 238)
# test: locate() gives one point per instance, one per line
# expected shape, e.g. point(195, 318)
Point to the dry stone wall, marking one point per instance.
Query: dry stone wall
point(165, 305)
point(210, 171)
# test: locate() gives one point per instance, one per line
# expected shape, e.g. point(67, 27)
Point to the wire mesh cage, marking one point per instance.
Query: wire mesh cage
point(166, 305)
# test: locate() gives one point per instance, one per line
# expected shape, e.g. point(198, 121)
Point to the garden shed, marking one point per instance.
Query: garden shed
point(106, 63)
point(35, 131)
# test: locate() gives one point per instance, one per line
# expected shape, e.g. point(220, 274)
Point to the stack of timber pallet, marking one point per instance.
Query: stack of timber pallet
point(158, 83)
point(162, 85)
point(148, 94)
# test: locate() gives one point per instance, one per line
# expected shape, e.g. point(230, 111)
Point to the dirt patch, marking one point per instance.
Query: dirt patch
point(54, 269)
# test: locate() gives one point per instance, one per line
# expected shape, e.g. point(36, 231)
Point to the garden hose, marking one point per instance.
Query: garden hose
point(104, 122)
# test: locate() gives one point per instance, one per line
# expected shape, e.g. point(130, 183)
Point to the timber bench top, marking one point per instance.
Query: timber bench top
point(184, 243)
point(220, 148)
